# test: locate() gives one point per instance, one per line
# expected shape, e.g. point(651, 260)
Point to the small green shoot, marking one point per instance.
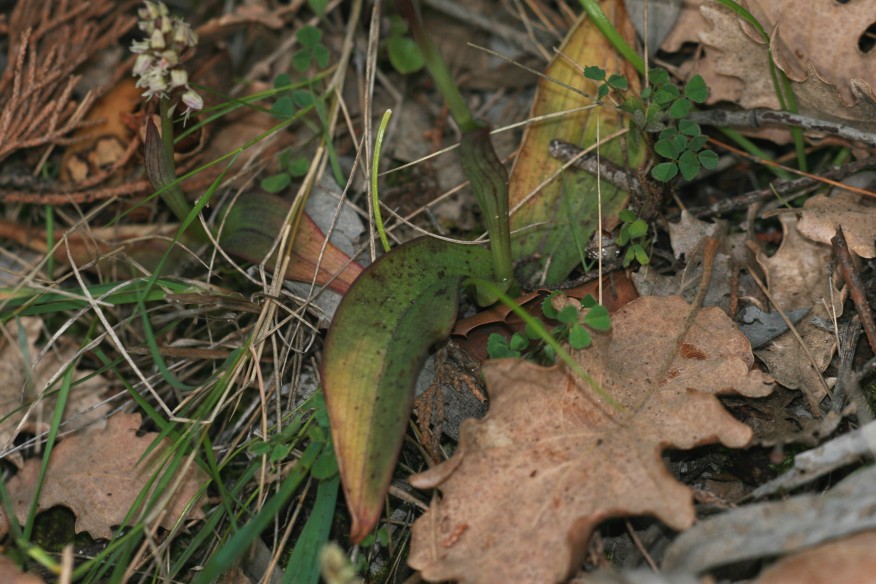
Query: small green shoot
point(572, 327)
point(403, 52)
point(633, 231)
point(663, 107)
point(312, 50)
point(290, 168)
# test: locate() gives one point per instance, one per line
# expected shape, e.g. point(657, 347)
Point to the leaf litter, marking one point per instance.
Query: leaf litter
point(532, 481)
point(575, 460)
point(99, 475)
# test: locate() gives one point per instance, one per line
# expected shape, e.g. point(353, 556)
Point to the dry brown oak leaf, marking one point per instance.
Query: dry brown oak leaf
point(822, 215)
point(797, 277)
point(817, 47)
point(529, 482)
point(98, 475)
point(844, 561)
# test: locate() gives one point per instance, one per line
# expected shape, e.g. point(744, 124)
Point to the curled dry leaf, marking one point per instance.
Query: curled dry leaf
point(99, 475)
point(552, 459)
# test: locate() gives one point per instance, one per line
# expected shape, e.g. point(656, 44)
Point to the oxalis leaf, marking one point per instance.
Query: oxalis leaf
point(402, 304)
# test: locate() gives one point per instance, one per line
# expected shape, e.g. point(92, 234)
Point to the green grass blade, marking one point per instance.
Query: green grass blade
point(303, 567)
point(239, 542)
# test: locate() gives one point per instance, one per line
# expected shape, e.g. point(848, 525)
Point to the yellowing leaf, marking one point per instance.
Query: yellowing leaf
point(566, 209)
point(529, 482)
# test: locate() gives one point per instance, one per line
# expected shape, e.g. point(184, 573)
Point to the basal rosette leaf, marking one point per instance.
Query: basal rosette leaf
point(398, 308)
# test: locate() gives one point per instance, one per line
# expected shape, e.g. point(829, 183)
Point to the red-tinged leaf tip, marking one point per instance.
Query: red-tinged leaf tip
point(380, 336)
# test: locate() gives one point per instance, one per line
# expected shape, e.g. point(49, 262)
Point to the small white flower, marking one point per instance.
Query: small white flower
point(183, 33)
point(139, 47)
point(142, 65)
point(157, 60)
point(168, 59)
point(156, 41)
point(192, 100)
point(178, 78)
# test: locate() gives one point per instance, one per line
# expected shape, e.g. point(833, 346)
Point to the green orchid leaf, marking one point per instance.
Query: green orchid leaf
point(381, 333)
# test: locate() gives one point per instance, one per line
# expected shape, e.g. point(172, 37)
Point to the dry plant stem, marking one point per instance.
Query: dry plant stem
point(796, 334)
point(849, 448)
point(762, 117)
point(640, 546)
point(366, 161)
point(403, 495)
point(856, 287)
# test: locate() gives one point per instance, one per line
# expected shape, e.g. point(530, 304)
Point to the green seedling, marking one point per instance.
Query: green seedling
point(632, 232)
point(290, 168)
point(403, 52)
point(663, 107)
point(312, 50)
point(572, 328)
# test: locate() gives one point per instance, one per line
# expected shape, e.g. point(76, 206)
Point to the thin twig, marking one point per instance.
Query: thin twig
point(783, 187)
point(758, 118)
point(856, 287)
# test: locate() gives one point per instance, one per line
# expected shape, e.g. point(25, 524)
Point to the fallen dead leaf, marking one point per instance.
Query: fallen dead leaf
point(817, 48)
point(822, 215)
point(10, 574)
point(529, 482)
point(845, 561)
point(105, 143)
point(98, 475)
point(18, 395)
point(797, 277)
